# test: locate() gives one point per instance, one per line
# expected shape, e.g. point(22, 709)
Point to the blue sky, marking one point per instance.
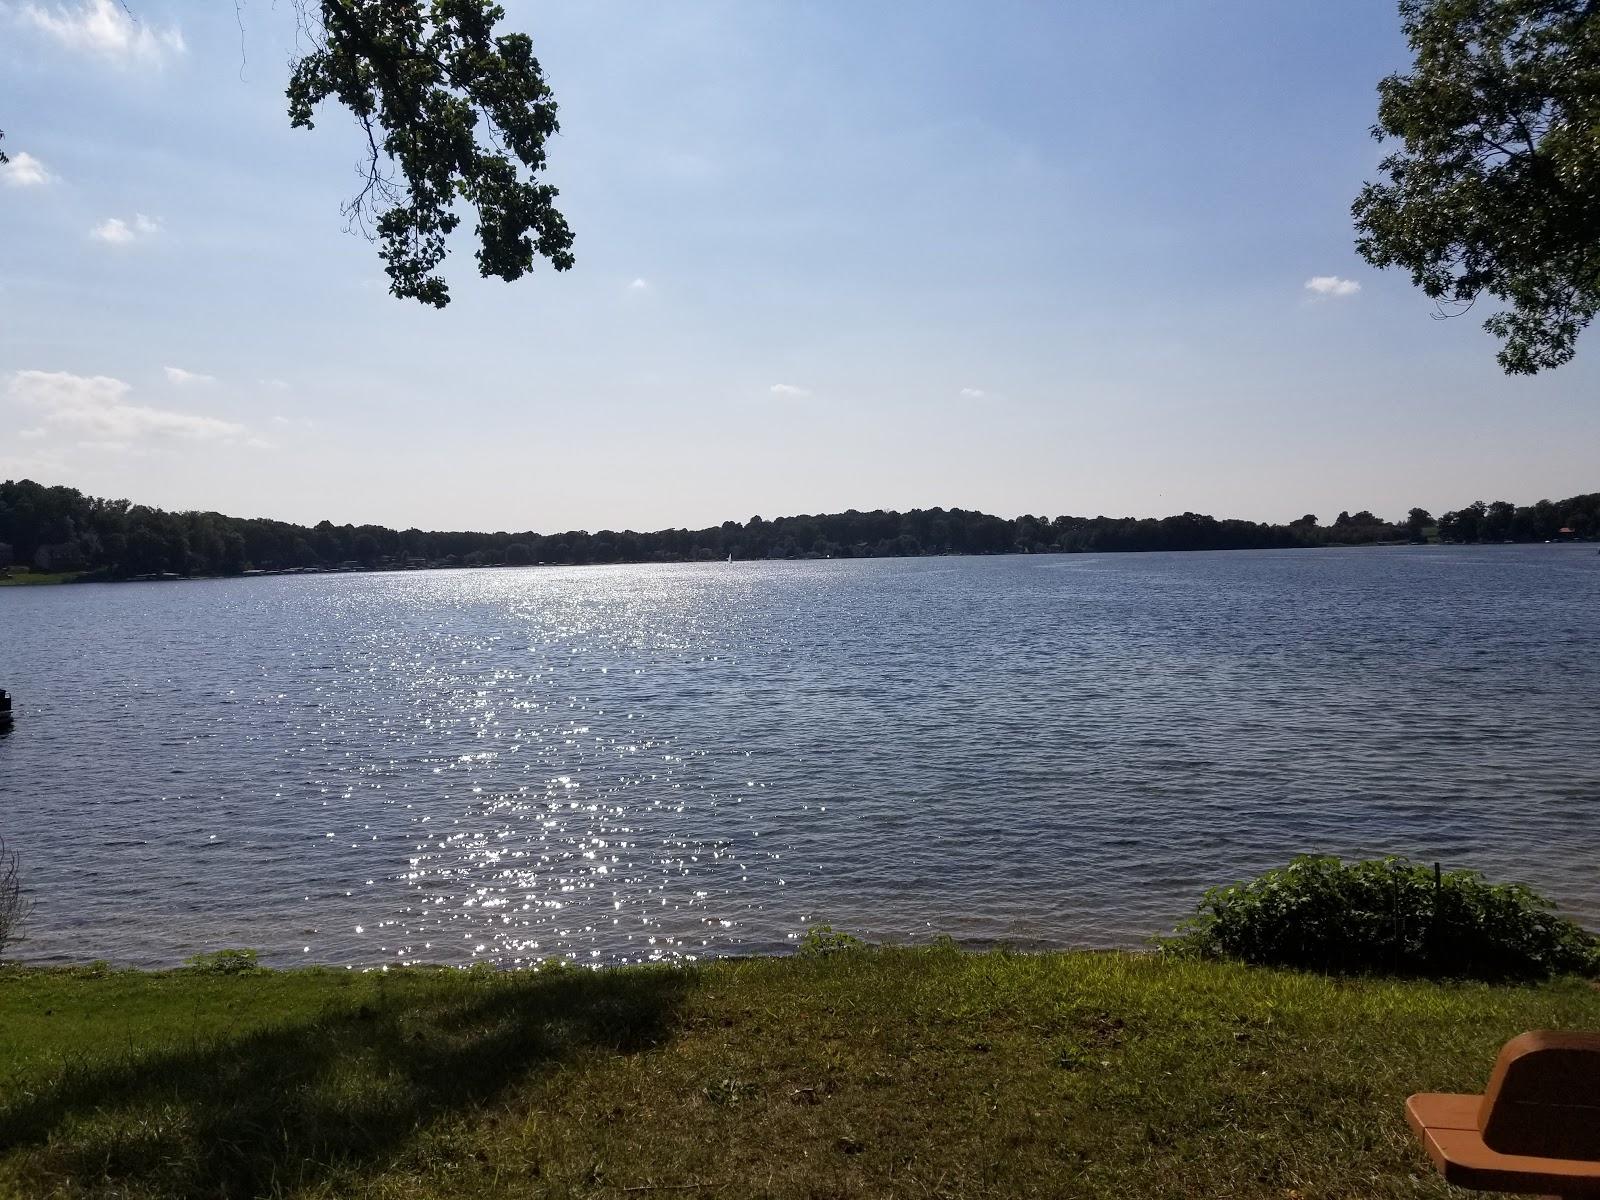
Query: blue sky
point(1018, 257)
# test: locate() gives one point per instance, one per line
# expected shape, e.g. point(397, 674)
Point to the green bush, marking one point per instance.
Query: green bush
point(222, 962)
point(1388, 916)
point(825, 939)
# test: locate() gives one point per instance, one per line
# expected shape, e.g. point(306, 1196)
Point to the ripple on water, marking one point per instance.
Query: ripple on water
point(635, 763)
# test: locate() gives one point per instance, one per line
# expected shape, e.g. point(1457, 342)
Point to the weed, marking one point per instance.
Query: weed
point(223, 962)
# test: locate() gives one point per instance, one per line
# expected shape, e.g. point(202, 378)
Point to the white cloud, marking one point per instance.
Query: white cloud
point(95, 408)
point(788, 391)
point(32, 435)
point(105, 29)
point(1332, 285)
point(277, 385)
point(114, 231)
point(639, 285)
point(24, 170)
point(972, 393)
point(183, 378)
point(44, 464)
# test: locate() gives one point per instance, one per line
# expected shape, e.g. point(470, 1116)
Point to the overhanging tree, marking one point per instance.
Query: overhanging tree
point(1495, 187)
point(453, 114)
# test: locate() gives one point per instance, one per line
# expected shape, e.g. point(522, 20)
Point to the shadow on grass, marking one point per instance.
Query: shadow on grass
point(281, 1109)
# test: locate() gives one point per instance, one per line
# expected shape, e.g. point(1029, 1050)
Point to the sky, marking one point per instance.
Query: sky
point(1019, 257)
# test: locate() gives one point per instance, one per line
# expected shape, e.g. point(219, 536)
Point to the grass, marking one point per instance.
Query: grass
point(23, 577)
point(915, 1073)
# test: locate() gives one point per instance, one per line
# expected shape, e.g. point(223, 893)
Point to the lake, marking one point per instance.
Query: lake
point(621, 763)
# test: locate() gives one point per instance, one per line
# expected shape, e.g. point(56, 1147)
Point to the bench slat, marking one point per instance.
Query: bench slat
point(1447, 1126)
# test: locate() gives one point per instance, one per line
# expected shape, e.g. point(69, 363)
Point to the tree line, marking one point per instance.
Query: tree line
point(61, 529)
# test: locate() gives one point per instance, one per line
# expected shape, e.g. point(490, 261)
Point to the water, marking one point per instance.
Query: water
point(622, 763)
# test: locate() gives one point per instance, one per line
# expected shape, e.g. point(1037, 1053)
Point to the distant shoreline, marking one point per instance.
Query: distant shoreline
point(36, 579)
point(61, 533)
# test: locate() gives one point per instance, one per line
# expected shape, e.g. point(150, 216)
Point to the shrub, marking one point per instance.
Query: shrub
point(1387, 915)
point(825, 939)
point(222, 962)
point(14, 906)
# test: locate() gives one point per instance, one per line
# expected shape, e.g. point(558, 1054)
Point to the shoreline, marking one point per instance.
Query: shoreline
point(53, 579)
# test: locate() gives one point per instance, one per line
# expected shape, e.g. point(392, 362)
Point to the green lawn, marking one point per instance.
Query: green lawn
point(22, 577)
point(915, 1073)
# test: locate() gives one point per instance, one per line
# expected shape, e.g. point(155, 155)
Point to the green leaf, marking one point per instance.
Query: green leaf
point(451, 114)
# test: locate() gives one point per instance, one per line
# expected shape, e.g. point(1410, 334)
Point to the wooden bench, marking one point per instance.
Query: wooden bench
point(1536, 1128)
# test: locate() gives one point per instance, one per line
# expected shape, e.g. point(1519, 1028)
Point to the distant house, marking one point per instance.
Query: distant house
point(59, 556)
point(1563, 533)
